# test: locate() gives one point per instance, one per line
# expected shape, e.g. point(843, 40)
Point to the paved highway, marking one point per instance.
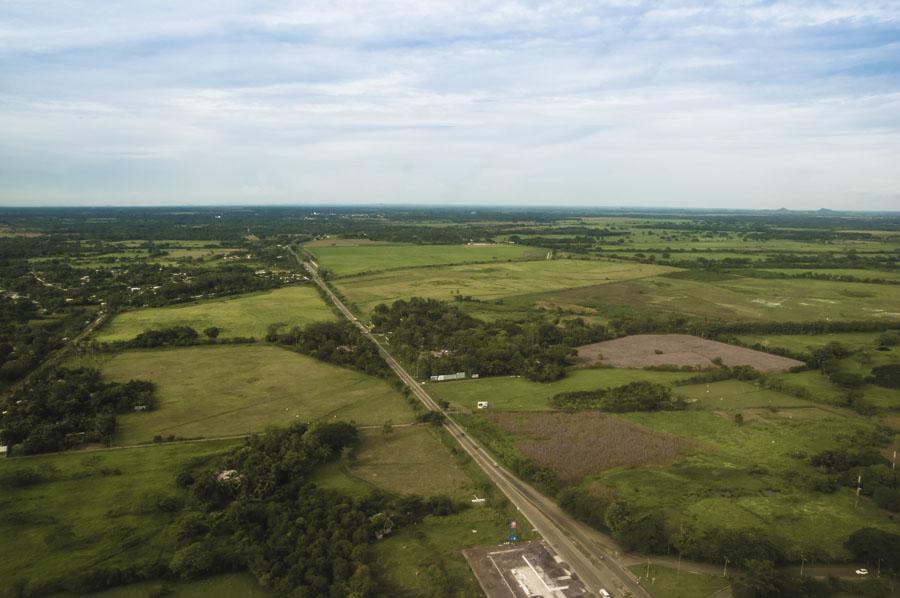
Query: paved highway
point(584, 549)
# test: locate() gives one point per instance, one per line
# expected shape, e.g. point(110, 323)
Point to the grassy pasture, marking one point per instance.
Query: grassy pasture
point(343, 258)
point(245, 315)
point(816, 383)
point(521, 394)
point(734, 394)
point(734, 297)
point(426, 560)
point(234, 389)
point(488, 281)
point(747, 476)
point(83, 516)
point(721, 474)
point(806, 343)
point(665, 582)
point(410, 460)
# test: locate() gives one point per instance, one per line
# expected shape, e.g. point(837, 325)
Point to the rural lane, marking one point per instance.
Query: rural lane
point(586, 551)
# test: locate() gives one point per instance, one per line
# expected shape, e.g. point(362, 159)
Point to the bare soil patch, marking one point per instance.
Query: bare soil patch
point(643, 350)
point(577, 444)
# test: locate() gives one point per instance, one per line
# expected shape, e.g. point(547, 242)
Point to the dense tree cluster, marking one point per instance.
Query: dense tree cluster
point(635, 396)
point(63, 408)
point(887, 375)
point(264, 515)
point(440, 338)
point(340, 343)
point(27, 338)
point(865, 465)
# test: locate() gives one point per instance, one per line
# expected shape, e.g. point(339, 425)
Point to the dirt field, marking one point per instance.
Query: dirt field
point(642, 350)
point(593, 441)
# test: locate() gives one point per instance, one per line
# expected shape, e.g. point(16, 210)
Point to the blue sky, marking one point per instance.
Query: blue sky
point(736, 103)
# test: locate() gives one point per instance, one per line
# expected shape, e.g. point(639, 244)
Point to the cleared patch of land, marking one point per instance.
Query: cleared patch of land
point(577, 444)
point(245, 315)
point(235, 389)
point(87, 509)
point(485, 282)
point(643, 350)
point(409, 460)
point(521, 394)
point(343, 258)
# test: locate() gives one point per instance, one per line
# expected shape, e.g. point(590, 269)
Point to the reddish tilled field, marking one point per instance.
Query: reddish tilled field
point(643, 350)
point(577, 444)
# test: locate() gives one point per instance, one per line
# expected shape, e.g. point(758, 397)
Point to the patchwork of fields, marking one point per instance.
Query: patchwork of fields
point(242, 316)
point(485, 282)
point(728, 454)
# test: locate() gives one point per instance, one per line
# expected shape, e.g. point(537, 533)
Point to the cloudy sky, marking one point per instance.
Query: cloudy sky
point(733, 103)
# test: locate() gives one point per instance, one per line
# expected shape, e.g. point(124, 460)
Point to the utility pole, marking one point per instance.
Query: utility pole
point(858, 488)
point(802, 562)
point(894, 460)
point(648, 568)
point(725, 568)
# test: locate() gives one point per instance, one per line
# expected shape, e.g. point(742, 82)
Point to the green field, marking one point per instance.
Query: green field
point(734, 394)
point(345, 259)
point(487, 282)
point(727, 475)
point(427, 560)
point(410, 460)
point(806, 343)
point(730, 297)
point(751, 476)
point(665, 582)
point(245, 315)
point(93, 509)
point(521, 394)
point(235, 389)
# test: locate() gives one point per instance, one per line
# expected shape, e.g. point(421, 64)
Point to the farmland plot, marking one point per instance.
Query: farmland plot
point(577, 444)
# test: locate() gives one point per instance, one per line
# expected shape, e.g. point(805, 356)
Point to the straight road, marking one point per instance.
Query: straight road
point(581, 547)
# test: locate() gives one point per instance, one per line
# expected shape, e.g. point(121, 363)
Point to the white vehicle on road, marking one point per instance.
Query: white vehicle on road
point(862, 571)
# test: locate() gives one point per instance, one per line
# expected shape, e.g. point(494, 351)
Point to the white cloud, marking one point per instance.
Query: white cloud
point(729, 103)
